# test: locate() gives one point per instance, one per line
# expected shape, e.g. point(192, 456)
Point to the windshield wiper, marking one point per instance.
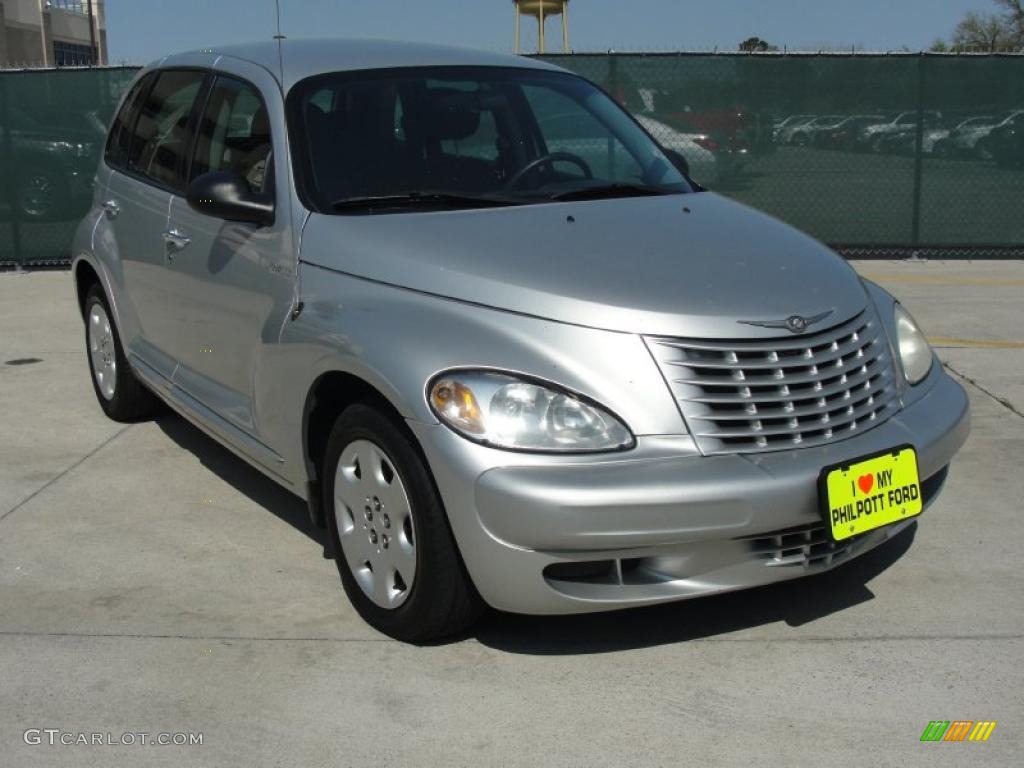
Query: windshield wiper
point(370, 203)
point(609, 190)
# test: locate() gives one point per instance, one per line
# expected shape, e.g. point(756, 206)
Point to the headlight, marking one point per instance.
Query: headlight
point(516, 413)
point(915, 353)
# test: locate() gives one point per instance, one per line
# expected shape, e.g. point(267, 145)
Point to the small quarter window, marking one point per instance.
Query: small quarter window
point(120, 138)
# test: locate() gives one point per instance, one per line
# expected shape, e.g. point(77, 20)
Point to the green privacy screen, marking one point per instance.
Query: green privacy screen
point(874, 154)
point(877, 155)
point(52, 127)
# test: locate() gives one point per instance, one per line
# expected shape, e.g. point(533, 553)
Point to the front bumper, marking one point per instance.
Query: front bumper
point(549, 535)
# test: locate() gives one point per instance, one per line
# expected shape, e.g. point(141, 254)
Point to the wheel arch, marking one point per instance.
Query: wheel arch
point(330, 394)
point(86, 277)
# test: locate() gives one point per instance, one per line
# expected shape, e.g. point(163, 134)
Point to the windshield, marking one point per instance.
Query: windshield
point(448, 135)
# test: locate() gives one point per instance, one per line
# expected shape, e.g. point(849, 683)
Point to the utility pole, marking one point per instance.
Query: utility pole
point(93, 53)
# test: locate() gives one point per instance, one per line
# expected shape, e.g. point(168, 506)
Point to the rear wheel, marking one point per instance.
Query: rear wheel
point(121, 396)
point(395, 553)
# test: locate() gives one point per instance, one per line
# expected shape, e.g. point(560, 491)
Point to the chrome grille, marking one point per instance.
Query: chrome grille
point(780, 393)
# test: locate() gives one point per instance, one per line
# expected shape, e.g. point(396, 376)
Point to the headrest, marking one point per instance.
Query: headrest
point(451, 114)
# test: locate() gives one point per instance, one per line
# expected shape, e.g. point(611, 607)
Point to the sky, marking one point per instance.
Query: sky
point(142, 30)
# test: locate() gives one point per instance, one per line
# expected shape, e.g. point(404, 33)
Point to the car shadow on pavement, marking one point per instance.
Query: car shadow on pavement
point(247, 480)
point(796, 603)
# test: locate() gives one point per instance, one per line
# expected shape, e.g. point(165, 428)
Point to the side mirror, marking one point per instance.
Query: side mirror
point(680, 162)
point(226, 195)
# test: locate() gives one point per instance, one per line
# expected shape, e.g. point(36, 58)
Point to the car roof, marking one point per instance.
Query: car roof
point(302, 58)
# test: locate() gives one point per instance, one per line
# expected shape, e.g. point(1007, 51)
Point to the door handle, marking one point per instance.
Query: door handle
point(176, 239)
point(111, 208)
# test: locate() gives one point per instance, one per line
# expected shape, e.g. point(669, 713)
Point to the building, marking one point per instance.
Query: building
point(52, 33)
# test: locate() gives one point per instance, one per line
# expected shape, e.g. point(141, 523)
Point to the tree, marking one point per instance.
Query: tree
point(991, 32)
point(756, 44)
point(1014, 16)
point(983, 33)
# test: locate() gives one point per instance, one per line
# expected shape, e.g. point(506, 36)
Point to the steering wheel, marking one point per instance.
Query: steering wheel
point(549, 159)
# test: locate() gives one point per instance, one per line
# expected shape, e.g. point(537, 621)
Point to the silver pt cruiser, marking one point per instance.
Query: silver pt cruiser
point(508, 352)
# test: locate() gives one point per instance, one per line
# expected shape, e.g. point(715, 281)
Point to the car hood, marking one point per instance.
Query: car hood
point(675, 265)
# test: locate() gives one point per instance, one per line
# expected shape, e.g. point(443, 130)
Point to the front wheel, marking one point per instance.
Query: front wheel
point(395, 553)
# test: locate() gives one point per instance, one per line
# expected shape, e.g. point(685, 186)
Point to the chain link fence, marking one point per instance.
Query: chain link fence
point(887, 156)
point(53, 124)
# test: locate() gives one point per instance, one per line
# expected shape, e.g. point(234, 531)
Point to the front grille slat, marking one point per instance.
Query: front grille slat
point(767, 397)
point(801, 361)
point(773, 394)
point(772, 411)
point(791, 379)
point(835, 423)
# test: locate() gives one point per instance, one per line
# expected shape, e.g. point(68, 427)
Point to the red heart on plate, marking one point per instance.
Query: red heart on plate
point(866, 482)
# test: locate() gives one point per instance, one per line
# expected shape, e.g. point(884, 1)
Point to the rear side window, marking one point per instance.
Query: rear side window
point(160, 140)
point(120, 138)
point(234, 134)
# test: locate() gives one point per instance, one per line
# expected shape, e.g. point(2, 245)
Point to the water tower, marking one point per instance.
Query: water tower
point(541, 10)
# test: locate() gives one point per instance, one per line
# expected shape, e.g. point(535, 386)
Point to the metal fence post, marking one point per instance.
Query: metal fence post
point(613, 89)
point(7, 156)
point(915, 224)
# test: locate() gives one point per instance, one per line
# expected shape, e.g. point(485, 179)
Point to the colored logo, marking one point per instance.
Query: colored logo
point(958, 730)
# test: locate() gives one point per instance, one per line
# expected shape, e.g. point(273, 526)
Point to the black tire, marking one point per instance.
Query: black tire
point(799, 140)
point(442, 600)
point(131, 401)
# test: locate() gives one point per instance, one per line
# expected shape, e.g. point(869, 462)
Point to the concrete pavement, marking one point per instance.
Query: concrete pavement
point(152, 582)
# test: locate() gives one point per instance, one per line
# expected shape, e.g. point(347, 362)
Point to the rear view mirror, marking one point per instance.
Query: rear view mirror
point(226, 195)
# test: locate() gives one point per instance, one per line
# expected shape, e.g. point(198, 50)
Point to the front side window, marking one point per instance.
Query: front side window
point(234, 134)
point(468, 134)
point(161, 137)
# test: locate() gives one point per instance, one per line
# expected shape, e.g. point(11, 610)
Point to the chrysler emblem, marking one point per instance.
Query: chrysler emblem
point(793, 323)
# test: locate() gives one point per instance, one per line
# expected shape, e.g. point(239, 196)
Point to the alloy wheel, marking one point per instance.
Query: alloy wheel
point(102, 352)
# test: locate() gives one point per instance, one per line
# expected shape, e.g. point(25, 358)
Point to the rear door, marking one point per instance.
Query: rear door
point(233, 282)
point(148, 160)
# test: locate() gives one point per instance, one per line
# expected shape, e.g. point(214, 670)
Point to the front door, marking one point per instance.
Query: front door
point(233, 281)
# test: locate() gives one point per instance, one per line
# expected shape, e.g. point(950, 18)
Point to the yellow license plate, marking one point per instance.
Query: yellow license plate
point(867, 493)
